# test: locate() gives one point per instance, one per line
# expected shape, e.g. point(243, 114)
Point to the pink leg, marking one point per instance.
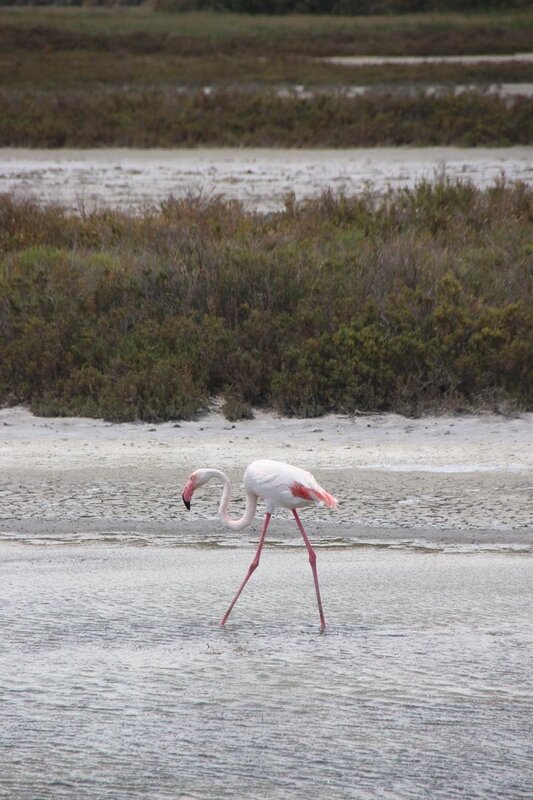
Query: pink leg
point(253, 566)
point(312, 561)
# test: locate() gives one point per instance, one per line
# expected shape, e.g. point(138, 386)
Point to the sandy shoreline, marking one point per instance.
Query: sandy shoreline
point(447, 480)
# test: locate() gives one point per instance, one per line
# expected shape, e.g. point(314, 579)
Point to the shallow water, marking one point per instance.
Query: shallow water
point(261, 179)
point(116, 680)
point(482, 58)
point(350, 90)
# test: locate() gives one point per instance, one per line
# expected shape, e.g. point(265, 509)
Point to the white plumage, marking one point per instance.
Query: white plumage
point(278, 484)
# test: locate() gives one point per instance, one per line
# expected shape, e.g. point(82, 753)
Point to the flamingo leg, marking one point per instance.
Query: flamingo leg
point(312, 561)
point(253, 566)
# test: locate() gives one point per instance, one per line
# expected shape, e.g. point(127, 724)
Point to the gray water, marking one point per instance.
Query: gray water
point(262, 179)
point(483, 58)
point(116, 680)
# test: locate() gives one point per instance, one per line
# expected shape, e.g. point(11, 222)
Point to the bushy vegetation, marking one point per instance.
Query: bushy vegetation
point(142, 32)
point(234, 118)
point(417, 300)
point(131, 77)
point(346, 7)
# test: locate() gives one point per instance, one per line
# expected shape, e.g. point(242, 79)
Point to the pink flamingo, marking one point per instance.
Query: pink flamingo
point(277, 483)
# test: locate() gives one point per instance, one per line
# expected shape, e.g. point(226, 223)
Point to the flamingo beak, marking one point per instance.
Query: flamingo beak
point(188, 491)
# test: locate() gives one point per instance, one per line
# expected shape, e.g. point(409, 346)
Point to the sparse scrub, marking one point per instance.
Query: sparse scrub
point(414, 301)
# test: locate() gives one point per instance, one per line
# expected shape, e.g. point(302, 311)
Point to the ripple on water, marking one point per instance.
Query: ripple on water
point(202, 538)
point(117, 681)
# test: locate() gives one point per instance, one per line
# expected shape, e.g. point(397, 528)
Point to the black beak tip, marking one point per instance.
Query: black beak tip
point(187, 503)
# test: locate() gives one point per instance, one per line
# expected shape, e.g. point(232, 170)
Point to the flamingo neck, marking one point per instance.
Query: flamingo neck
point(249, 511)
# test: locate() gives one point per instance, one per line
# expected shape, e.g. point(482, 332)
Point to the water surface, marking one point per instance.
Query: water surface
point(135, 179)
point(481, 58)
point(116, 680)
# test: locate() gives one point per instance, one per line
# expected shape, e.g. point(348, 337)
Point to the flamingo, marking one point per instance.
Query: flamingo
point(278, 484)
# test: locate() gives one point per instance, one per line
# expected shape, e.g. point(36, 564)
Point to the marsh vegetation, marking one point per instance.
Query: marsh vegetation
point(419, 299)
point(134, 77)
point(416, 300)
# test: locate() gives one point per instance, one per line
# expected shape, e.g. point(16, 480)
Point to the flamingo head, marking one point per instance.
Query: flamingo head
point(196, 479)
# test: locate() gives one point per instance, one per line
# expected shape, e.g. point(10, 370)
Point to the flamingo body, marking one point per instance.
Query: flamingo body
point(281, 484)
point(278, 484)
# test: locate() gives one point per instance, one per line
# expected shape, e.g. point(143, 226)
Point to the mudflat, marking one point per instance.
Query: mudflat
point(459, 480)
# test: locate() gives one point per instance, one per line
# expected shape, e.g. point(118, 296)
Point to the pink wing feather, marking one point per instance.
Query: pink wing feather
point(313, 495)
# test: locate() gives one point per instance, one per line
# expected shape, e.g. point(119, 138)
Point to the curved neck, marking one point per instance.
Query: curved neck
point(249, 511)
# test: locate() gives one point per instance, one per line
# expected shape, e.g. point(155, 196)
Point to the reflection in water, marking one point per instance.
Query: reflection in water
point(117, 681)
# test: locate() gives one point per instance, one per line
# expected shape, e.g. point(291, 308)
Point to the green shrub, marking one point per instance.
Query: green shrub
point(417, 300)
